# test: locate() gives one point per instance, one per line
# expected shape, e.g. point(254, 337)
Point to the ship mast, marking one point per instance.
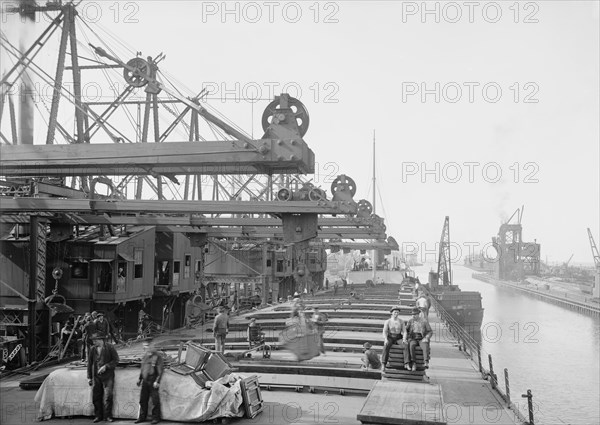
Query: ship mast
point(374, 255)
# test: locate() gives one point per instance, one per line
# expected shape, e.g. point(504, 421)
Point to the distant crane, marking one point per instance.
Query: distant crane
point(565, 267)
point(596, 288)
point(566, 264)
point(594, 250)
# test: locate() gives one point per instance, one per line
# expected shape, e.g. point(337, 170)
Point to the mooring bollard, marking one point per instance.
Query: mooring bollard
point(492, 374)
point(507, 384)
point(529, 398)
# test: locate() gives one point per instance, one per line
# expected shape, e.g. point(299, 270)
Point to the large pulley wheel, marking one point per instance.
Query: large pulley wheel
point(139, 77)
point(343, 183)
point(365, 209)
point(274, 114)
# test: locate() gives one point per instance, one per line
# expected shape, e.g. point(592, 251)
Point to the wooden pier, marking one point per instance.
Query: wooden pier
point(584, 307)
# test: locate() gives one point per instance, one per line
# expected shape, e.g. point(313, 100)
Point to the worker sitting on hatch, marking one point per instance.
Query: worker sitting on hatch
point(393, 330)
point(419, 333)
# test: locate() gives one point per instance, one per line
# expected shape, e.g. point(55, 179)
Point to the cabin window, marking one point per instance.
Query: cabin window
point(198, 271)
point(279, 266)
point(121, 276)
point(164, 272)
point(176, 271)
point(104, 277)
point(187, 267)
point(79, 270)
point(268, 263)
point(138, 260)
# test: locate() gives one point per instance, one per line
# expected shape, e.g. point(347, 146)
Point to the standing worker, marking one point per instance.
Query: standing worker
point(220, 329)
point(319, 320)
point(103, 359)
point(393, 330)
point(424, 304)
point(103, 326)
point(150, 376)
point(88, 328)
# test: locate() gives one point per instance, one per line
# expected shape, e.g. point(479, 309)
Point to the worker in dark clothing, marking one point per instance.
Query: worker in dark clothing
point(419, 333)
point(102, 362)
point(89, 328)
point(150, 376)
point(103, 326)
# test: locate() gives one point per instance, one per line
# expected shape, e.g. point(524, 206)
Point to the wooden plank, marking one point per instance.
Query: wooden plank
point(405, 403)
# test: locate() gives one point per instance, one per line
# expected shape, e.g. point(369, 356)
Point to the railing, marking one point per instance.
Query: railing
point(471, 347)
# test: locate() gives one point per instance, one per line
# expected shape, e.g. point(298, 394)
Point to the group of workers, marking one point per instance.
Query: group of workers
point(415, 332)
point(78, 332)
point(102, 361)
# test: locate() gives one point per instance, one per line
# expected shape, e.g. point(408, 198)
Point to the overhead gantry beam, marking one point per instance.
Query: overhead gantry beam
point(161, 220)
point(262, 156)
point(38, 205)
point(276, 232)
point(377, 244)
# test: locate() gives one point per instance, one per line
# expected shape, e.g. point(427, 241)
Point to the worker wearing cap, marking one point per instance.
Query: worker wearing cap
point(102, 361)
point(393, 330)
point(419, 333)
point(370, 358)
point(151, 373)
point(103, 326)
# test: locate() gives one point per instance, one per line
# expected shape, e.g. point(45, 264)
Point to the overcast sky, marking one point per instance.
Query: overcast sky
point(464, 91)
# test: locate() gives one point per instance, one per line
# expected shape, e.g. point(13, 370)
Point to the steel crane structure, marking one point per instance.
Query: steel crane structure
point(516, 259)
point(119, 216)
point(444, 271)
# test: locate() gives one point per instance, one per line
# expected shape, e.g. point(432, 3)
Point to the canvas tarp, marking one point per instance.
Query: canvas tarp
point(65, 392)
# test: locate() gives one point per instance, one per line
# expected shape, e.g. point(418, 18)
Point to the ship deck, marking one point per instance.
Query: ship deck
point(330, 388)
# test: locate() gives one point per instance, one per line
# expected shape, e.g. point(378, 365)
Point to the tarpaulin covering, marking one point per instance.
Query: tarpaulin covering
point(66, 392)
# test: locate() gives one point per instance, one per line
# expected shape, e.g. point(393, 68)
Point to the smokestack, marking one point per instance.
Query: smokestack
point(27, 9)
point(27, 12)
point(26, 110)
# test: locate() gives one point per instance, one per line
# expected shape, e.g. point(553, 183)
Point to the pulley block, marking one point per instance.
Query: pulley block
point(284, 194)
point(317, 194)
point(139, 77)
point(57, 273)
